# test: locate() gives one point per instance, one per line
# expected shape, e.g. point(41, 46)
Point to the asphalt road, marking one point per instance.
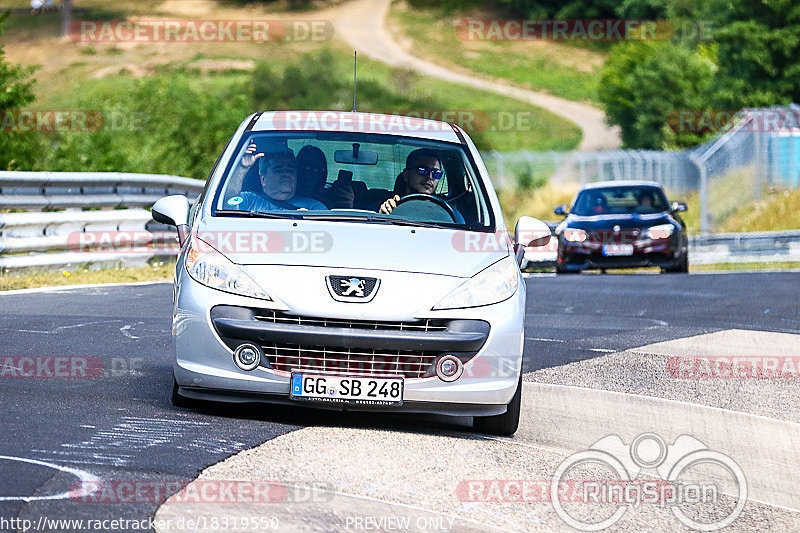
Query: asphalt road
point(120, 425)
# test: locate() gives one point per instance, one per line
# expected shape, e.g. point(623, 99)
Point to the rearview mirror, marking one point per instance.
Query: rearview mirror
point(529, 232)
point(356, 156)
point(560, 210)
point(679, 206)
point(174, 211)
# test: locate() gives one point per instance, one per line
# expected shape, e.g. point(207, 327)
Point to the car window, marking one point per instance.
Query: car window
point(619, 200)
point(291, 172)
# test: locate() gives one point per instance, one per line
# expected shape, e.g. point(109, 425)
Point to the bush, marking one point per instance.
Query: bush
point(642, 83)
point(160, 125)
point(17, 149)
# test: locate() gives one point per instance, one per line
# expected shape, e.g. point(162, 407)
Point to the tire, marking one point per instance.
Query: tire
point(562, 270)
point(503, 425)
point(680, 268)
point(178, 400)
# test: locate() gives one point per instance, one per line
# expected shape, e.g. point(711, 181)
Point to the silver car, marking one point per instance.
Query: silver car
point(350, 261)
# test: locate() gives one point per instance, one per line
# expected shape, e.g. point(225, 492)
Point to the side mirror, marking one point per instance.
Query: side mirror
point(529, 232)
point(560, 210)
point(679, 206)
point(174, 211)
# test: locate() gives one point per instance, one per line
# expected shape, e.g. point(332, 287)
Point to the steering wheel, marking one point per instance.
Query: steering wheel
point(421, 197)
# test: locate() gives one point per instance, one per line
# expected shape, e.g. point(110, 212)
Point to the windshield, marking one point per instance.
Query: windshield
point(354, 177)
point(619, 201)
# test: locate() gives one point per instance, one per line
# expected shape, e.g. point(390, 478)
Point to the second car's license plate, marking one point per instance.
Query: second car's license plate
point(617, 249)
point(348, 389)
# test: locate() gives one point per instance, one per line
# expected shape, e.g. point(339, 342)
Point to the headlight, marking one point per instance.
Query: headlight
point(575, 235)
point(662, 231)
point(212, 269)
point(489, 286)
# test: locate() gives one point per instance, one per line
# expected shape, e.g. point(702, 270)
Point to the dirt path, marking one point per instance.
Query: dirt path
point(361, 24)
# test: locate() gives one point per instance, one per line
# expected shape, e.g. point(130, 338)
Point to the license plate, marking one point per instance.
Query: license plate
point(617, 249)
point(347, 389)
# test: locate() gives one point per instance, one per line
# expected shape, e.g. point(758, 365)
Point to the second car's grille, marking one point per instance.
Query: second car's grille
point(337, 360)
point(275, 317)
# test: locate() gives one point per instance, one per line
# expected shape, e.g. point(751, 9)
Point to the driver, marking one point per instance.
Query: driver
point(645, 201)
point(421, 176)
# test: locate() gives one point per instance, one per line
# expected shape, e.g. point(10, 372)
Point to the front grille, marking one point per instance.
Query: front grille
point(276, 317)
point(338, 360)
point(627, 236)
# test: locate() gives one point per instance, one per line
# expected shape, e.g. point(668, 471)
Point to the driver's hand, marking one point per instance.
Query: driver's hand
point(250, 156)
point(388, 206)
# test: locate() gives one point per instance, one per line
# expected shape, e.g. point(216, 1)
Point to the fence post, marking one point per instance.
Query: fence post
point(701, 168)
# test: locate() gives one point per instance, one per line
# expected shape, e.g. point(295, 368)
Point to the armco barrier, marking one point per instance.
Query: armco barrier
point(44, 238)
point(41, 239)
point(756, 247)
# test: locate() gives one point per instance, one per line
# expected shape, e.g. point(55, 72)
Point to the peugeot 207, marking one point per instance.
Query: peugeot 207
point(350, 261)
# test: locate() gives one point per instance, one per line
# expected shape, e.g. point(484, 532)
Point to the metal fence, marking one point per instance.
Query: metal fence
point(61, 219)
point(761, 152)
point(734, 248)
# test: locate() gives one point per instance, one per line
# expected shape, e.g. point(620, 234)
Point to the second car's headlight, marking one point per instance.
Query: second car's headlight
point(662, 231)
point(209, 267)
point(575, 235)
point(489, 286)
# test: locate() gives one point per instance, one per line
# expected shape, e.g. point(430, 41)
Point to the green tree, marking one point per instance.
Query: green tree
point(17, 149)
point(643, 83)
point(758, 52)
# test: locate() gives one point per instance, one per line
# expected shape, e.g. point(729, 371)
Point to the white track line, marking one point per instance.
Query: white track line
point(60, 288)
point(86, 479)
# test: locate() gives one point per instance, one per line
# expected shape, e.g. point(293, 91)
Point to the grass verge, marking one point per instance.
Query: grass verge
point(10, 281)
point(568, 71)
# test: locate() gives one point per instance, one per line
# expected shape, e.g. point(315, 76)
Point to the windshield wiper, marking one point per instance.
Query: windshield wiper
point(373, 218)
point(257, 214)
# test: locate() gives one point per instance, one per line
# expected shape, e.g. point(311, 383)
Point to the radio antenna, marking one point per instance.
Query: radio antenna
point(355, 69)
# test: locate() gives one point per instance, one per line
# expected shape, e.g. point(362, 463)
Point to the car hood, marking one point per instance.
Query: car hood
point(370, 246)
point(630, 221)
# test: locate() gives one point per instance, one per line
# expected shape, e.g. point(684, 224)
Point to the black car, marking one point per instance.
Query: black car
point(622, 224)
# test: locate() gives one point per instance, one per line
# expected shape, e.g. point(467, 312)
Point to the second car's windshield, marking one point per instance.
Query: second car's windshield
point(347, 176)
point(619, 201)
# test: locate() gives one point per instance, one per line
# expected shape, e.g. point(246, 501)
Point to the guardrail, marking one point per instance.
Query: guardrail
point(756, 247)
point(45, 238)
point(55, 239)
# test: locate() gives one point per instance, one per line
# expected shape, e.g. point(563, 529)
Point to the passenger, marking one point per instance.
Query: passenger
point(420, 176)
point(312, 172)
point(278, 179)
point(312, 166)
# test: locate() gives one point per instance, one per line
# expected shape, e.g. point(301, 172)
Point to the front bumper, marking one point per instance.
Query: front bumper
point(204, 342)
point(646, 253)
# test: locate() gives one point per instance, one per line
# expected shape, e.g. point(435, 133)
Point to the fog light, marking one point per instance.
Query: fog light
point(449, 368)
point(247, 356)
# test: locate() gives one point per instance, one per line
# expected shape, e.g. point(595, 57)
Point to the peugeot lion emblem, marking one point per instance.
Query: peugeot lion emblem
point(352, 288)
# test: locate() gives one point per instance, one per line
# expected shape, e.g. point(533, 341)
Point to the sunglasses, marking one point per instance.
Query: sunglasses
point(432, 172)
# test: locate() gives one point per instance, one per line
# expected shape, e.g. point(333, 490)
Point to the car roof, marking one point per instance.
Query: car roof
point(347, 121)
point(621, 183)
